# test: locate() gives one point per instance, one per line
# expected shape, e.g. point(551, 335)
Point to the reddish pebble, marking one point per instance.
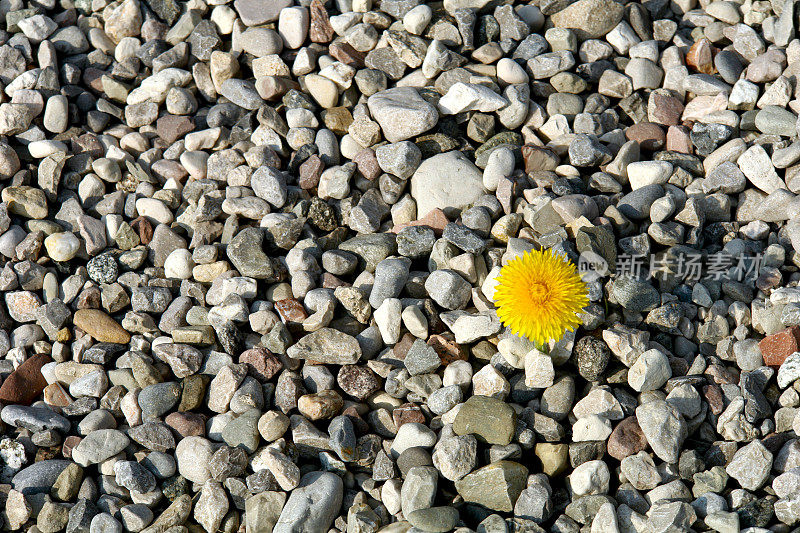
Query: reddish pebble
point(187, 424)
point(626, 439)
point(94, 78)
point(408, 412)
point(701, 57)
point(678, 140)
point(166, 169)
point(713, 395)
point(539, 158)
point(144, 229)
point(400, 350)
point(291, 310)
point(367, 164)
point(447, 349)
point(777, 347)
point(89, 298)
point(346, 54)
point(69, 445)
point(320, 30)
point(262, 364)
point(663, 108)
point(173, 127)
point(87, 143)
point(310, 171)
point(507, 190)
point(722, 375)
point(435, 219)
point(650, 136)
point(329, 281)
point(25, 383)
point(273, 87)
point(56, 395)
point(769, 278)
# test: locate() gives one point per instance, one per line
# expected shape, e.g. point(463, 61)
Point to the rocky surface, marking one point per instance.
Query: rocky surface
point(248, 253)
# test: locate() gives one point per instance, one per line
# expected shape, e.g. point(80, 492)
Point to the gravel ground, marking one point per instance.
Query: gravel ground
point(249, 252)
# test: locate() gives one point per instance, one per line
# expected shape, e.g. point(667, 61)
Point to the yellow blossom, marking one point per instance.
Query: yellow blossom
point(539, 295)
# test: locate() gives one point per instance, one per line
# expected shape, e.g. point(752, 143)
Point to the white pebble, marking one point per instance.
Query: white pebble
point(179, 264)
point(62, 246)
point(417, 19)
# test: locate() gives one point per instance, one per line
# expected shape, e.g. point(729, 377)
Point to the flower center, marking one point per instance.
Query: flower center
point(538, 291)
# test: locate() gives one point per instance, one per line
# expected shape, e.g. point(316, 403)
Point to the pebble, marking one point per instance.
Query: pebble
point(190, 194)
point(663, 427)
point(98, 446)
point(584, 17)
point(650, 371)
point(496, 486)
point(491, 419)
point(402, 113)
point(100, 326)
point(750, 465)
point(313, 505)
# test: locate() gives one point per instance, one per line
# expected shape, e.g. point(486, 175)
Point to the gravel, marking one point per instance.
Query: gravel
point(248, 253)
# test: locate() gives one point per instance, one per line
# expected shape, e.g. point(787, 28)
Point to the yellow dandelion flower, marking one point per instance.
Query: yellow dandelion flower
point(539, 295)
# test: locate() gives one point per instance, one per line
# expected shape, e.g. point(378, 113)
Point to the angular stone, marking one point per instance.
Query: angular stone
point(496, 486)
point(326, 346)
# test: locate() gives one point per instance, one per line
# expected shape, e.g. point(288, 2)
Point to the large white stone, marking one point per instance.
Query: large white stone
point(448, 181)
point(470, 97)
point(757, 166)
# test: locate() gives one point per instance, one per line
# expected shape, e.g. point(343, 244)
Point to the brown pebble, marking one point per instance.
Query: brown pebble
point(25, 383)
point(88, 143)
point(539, 158)
point(69, 444)
point(769, 278)
point(291, 310)
point(337, 119)
point(273, 87)
point(367, 164)
point(626, 439)
point(329, 281)
point(56, 395)
point(701, 57)
point(408, 412)
point(722, 375)
point(401, 348)
point(100, 326)
point(89, 298)
point(262, 364)
point(320, 405)
point(187, 424)
point(777, 347)
point(94, 78)
point(310, 172)
point(144, 229)
point(447, 348)
point(664, 109)
point(173, 127)
point(346, 54)
point(320, 30)
point(650, 136)
point(713, 395)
